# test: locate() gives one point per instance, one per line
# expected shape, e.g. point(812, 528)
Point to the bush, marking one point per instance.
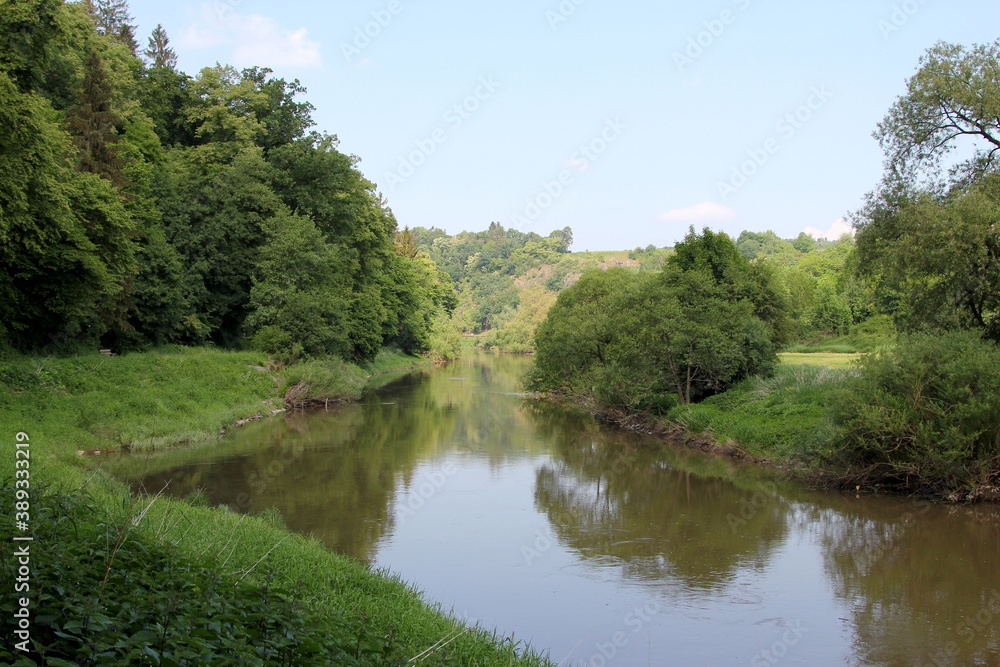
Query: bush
point(445, 338)
point(925, 418)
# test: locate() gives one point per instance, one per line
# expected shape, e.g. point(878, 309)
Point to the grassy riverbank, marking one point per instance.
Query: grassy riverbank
point(784, 419)
point(924, 419)
point(217, 587)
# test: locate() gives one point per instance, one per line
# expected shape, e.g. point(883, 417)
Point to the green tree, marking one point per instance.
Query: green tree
point(112, 19)
point(159, 52)
point(28, 35)
point(804, 243)
point(66, 256)
point(406, 245)
point(951, 102)
point(830, 314)
point(718, 255)
point(489, 294)
point(928, 243)
point(941, 253)
point(648, 341)
point(300, 296)
point(92, 123)
point(217, 224)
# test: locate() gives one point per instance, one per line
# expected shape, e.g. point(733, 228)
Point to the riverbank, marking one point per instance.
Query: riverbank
point(787, 422)
point(202, 565)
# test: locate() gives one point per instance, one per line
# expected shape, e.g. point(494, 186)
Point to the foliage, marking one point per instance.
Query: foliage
point(185, 611)
point(929, 242)
point(785, 417)
point(518, 333)
point(940, 253)
point(950, 103)
point(445, 338)
point(67, 253)
point(158, 51)
point(143, 206)
point(646, 341)
point(488, 295)
point(720, 258)
point(926, 417)
point(298, 300)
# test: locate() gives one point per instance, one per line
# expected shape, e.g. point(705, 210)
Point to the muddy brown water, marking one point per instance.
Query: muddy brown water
point(605, 547)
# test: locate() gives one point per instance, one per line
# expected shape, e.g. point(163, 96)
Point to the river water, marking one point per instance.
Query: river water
point(605, 547)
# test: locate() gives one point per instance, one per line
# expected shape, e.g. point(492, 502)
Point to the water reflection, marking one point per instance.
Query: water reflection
point(612, 498)
point(448, 477)
point(920, 579)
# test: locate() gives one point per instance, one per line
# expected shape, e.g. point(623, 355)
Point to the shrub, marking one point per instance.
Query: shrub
point(926, 417)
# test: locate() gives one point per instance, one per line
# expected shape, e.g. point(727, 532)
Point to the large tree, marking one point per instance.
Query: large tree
point(952, 102)
point(66, 251)
point(929, 234)
point(159, 52)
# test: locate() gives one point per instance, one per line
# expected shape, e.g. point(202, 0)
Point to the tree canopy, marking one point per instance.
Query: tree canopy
point(140, 205)
point(928, 236)
point(653, 340)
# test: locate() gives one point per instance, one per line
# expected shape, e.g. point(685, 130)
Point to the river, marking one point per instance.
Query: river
point(606, 547)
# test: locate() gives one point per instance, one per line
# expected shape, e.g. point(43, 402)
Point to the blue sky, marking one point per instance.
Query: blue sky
point(628, 121)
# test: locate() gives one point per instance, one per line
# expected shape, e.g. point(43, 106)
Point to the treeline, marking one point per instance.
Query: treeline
point(488, 270)
point(141, 206)
point(652, 340)
point(507, 280)
point(826, 297)
point(921, 415)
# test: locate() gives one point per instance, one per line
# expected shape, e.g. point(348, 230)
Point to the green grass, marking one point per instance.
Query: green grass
point(155, 399)
point(874, 334)
point(176, 396)
point(830, 360)
point(391, 361)
point(782, 418)
point(822, 348)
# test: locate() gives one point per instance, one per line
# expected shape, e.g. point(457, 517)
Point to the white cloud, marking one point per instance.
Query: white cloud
point(705, 212)
point(255, 40)
point(838, 229)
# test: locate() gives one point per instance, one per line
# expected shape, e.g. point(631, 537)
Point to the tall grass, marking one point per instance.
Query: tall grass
point(137, 401)
point(783, 417)
point(174, 396)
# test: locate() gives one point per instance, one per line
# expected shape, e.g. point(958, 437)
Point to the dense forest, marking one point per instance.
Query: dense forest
point(140, 205)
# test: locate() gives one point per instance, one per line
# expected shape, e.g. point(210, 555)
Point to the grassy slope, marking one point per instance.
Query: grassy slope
point(180, 396)
point(830, 360)
point(783, 419)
